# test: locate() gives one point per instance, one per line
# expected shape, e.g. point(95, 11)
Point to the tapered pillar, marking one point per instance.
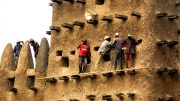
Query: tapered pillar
point(21, 79)
point(7, 67)
point(42, 57)
point(7, 58)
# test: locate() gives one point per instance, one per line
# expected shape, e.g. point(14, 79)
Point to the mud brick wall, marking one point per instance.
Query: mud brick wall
point(20, 83)
point(146, 84)
point(55, 74)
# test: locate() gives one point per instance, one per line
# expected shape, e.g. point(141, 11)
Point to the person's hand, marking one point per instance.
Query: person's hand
point(139, 41)
point(78, 46)
point(124, 48)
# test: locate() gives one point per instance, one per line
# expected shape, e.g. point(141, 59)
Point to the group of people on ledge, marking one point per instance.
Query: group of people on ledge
point(18, 46)
point(124, 50)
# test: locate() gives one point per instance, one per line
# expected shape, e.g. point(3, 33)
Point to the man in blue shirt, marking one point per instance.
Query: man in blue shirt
point(118, 52)
point(17, 50)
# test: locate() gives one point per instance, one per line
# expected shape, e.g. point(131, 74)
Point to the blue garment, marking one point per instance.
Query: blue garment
point(17, 49)
point(118, 44)
point(82, 64)
point(118, 52)
point(118, 56)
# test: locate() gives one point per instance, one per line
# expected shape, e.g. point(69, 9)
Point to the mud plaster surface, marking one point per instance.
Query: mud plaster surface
point(146, 83)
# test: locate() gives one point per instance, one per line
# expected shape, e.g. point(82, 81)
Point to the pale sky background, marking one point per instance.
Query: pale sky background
point(24, 19)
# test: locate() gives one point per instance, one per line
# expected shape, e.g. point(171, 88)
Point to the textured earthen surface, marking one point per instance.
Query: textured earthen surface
point(41, 68)
point(21, 74)
point(6, 69)
point(146, 84)
point(25, 62)
point(42, 58)
point(7, 58)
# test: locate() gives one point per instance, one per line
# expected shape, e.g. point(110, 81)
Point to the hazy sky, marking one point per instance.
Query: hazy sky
point(23, 19)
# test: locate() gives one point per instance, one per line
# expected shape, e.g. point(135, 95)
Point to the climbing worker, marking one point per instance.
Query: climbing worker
point(105, 46)
point(130, 51)
point(118, 52)
point(104, 51)
point(17, 50)
point(84, 56)
point(35, 46)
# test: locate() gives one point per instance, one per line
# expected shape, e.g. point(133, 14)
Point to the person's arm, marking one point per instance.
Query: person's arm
point(89, 49)
point(14, 50)
point(89, 52)
point(114, 42)
point(22, 42)
point(100, 48)
point(108, 46)
point(123, 43)
point(78, 46)
point(37, 49)
point(30, 43)
point(139, 41)
point(134, 41)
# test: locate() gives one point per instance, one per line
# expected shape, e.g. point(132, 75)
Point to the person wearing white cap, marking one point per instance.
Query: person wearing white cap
point(130, 44)
point(17, 50)
point(117, 34)
point(118, 52)
point(105, 46)
point(104, 49)
point(129, 35)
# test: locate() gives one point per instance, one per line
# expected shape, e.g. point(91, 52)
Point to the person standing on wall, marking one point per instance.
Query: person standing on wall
point(35, 46)
point(84, 56)
point(130, 51)
point(104, 49)
point(105, 46)
point(17, 50)
point(118, 52)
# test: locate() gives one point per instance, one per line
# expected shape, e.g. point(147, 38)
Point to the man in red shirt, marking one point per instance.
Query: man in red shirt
point(84, 56)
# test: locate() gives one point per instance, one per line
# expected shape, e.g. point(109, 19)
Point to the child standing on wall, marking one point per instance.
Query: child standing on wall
point(84, 56)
